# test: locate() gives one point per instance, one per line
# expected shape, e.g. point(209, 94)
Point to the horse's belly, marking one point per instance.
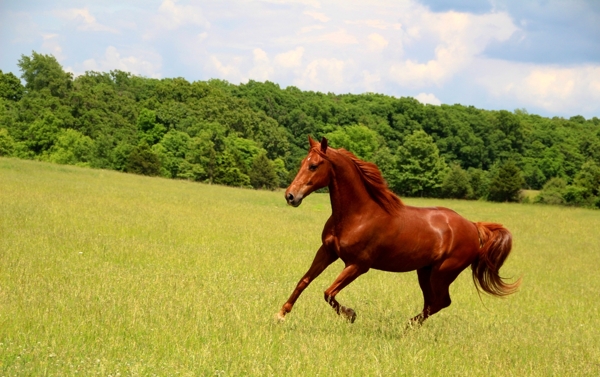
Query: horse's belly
point(402, 254)
point(402, 262)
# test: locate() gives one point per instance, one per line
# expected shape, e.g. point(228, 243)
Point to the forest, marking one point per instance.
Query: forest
point(255, 135)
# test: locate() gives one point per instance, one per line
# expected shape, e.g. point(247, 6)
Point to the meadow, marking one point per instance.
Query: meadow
point(104, 273)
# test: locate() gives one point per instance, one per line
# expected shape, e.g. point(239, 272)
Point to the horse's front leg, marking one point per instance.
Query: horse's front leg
point(347, 276)
point(323, 258)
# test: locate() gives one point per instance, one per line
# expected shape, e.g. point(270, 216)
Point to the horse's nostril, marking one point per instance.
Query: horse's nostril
point(290, 197)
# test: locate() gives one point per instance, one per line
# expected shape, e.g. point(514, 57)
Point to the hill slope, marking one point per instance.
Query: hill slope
point(106, 273)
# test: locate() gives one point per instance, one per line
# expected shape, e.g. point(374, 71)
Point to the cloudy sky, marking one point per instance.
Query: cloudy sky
point(538, 55)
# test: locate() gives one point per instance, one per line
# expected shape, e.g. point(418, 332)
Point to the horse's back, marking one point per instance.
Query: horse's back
point(423, 236)
point(452, 229)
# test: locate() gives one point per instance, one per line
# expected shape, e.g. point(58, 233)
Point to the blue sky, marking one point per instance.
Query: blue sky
point(538, 55)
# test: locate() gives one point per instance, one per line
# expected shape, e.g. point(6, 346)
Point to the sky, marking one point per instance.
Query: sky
point(542, 56)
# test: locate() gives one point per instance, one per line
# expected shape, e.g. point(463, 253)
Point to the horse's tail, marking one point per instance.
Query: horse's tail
point(496, 244)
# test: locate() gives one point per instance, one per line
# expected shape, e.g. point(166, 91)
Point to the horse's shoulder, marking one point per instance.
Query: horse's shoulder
point(328, 234)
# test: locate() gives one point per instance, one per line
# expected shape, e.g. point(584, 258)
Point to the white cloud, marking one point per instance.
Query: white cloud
point(86, 21)
point(398, 47)
point(458, 37)
point(371, 81)
point(312, 3)
point(317, 16)
point(52, 46)
point(377, 24)
point(290, 59)
point(179, 15)
point(376, 42)
point(308, 29)
point(551, 83)
point(147, 64)
point(554, 89)
point(414, 74)
point(340, 37)
point(323, 74)
point(202, 36)
point(429, 98)
point(172, 16)
point(229, 72)
point(262, 70)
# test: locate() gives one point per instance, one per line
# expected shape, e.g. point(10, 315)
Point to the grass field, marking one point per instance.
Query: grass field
point(109, 274)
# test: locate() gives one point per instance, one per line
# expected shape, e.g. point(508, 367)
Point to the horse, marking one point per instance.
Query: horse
point(371, 228)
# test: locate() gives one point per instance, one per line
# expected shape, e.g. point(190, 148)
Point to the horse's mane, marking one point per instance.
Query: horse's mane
point(374, 183)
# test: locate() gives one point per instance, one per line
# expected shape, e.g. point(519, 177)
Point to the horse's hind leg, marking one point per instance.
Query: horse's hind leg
point(424, 275)
point(436, 291)
point(347, 276)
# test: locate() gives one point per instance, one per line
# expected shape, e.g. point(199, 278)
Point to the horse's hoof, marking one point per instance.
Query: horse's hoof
point(279, 317)
point(415, 322)
point(349, 314)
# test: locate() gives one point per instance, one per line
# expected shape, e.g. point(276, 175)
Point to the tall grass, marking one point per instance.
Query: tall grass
point(104, 273)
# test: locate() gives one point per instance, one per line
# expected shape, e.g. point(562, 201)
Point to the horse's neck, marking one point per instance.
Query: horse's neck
point(347, 191)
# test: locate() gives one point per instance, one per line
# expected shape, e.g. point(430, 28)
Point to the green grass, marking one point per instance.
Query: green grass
point(103, 273)
point(530, 194)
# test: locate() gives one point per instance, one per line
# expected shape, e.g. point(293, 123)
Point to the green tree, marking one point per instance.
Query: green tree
point(552, 192)
point(281, 172)
point(533, 175)
point(552, 163)
point(506, 183)
point(44, 72)
point(10, 87)
point(172, 151)
point(6, 143)
point(479, 182)
point(206, 148)
point(244, 151)
point(386, 162)
point(263, 174)
point(212, 131)
point(420, 169)
point(202, 156)
point(43, 133)
point(226, 171)
point(358, 139)
point(150, 131)
point(72, 148)
point(510, 125)
point(273, 138)
point(142, 160)
point(589, 178)
point(592, 148)
point(575, 195)
point(231, 176)
point(456, 184)
point(119, 156)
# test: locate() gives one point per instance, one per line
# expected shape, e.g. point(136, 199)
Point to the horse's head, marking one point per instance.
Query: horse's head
point(314, 173)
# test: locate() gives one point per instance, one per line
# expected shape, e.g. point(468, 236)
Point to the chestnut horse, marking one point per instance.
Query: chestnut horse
point(370, 227)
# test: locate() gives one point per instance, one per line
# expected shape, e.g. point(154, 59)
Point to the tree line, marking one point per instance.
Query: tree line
point(255, 134)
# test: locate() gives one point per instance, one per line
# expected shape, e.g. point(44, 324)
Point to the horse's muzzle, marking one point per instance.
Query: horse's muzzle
point(293, 200)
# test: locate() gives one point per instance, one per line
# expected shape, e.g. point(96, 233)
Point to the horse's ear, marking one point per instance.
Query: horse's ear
point(323, 145)
point(313, 143)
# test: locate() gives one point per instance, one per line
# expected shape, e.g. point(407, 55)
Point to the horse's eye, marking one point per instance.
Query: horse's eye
point(312, 167)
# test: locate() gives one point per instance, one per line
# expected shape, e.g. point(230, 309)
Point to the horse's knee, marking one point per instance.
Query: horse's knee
point(304, 282)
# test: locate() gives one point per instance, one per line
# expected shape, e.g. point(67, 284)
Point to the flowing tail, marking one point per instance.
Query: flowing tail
point(496, 244)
